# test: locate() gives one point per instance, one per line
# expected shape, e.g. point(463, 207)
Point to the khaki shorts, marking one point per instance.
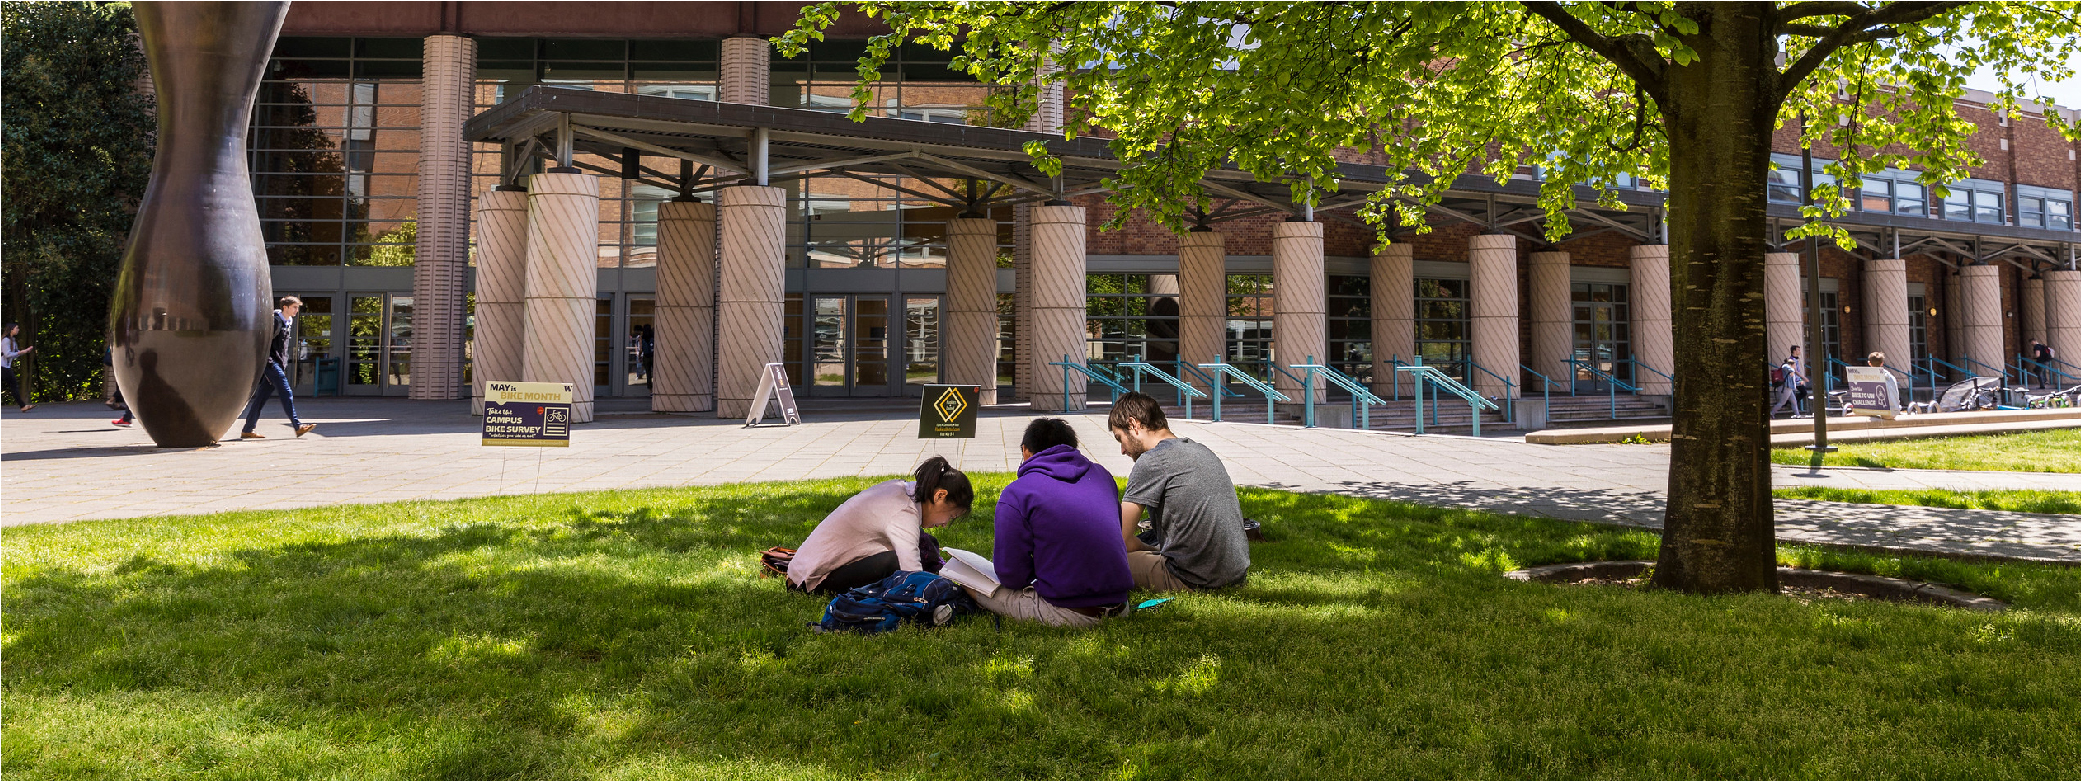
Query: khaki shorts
point(1151, 574)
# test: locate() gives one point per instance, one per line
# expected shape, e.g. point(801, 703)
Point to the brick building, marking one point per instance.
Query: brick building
point(374, 183)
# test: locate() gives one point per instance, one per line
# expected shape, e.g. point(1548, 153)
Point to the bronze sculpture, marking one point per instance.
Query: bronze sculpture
point(192, 312)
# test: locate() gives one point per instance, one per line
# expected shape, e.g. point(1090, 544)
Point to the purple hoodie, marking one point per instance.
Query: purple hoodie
point(1058, 530)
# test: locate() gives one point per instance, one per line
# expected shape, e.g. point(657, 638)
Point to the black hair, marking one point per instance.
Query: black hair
point(1044, 433)
point(1139, 408)
point(936, 474)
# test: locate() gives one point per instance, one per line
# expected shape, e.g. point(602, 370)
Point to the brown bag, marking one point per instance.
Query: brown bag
point(773, 562)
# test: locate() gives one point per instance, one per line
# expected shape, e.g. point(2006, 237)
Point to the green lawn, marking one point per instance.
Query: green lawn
point(2056, 502)
point(625, 635)
point(2055, 450)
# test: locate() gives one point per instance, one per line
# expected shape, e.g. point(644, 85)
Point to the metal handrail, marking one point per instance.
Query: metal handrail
point(1069, 366)
point(1438, 379)
point(1509, 391)
point(1307, 384)
point(1639, 364)
point(1612, 390)
point(1546, 394)
point(1271, 394)
point(2042, 367)
point(1185, 367)
point(1362, 399)
point(1395, 363)
point(1186, 393)
point(2001, 373)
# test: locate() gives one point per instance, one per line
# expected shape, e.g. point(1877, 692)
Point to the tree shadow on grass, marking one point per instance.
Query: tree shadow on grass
point(561, 638)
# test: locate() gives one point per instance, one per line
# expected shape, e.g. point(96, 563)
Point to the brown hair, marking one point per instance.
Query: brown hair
point(1139, 408)
point(1876, 358)
point(287, 300)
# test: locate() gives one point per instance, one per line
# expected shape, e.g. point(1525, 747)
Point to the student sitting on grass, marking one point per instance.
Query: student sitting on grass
point(1058, 555)
point(881, 530)
point(1195, 537)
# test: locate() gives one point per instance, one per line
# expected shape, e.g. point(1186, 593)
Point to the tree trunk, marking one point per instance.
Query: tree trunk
point(1720, 110)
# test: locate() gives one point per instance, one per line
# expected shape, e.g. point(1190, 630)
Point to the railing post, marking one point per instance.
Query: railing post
point(1416, 391)
point(1066, 373)
point(1308, 395)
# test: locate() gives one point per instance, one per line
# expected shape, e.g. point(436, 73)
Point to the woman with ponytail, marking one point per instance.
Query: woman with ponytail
point(882, 530)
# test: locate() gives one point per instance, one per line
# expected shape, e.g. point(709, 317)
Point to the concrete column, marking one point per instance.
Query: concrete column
point(1553, 316)
point(1300, 327)
point(1492, 265)
point(563, 236)
point(971, 335)
point(2032, 300)
point(1784, 324)
point(683, 379)
point(442, 254)
point(1886, 313)
point(2063, 314)
point(501, 291)
point(1022, 302)
point(750, 312)
point(1057, 301)
point(746, 75)
point(1980, 291)
point(1654, 341)
point(1047, 116)
point(1202, 299)
point(1394, 311)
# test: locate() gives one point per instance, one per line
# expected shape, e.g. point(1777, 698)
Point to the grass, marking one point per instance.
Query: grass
point(625, 635)
point(2019, 501)
point(2053, 450)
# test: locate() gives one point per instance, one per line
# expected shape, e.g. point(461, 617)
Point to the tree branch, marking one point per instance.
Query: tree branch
point(1867, 24)
point(1798, 11)
point(1634, 54)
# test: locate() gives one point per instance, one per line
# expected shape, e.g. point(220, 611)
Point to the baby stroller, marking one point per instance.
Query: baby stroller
point(1975, 393)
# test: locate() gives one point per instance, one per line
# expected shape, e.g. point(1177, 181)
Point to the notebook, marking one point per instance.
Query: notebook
point(971, 570)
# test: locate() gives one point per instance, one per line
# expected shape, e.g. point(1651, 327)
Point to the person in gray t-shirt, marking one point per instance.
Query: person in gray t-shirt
point(1195, 538)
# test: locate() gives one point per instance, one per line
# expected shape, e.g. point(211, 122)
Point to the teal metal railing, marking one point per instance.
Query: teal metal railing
point(1991, 371)
point(1395, 364)
point(1422, 374)
point(1613, 384)
point(1638, 365)
point(1136, 367)
point(1071, 368)
point(1362, 398)
point(1222, 370)
point(1307, 389)
point(1929, 365)
point(1509, 390)
point(2044, 370)
point(1185, 367)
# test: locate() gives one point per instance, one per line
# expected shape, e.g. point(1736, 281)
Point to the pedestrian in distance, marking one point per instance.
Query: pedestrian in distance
point(1789, 381)
point(10, 350)
point(274, 375)
point(2044, 355)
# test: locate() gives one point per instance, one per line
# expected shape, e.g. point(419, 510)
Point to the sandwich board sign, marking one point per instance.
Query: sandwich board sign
point(1872, 391)
point(773, 386)
point(527, 414)
point(948, 412)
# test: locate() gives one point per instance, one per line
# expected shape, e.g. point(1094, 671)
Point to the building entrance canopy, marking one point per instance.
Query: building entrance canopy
point(719, 144)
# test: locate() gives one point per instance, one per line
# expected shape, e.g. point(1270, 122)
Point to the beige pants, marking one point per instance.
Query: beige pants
point(1150, 573)
point(1027, 605)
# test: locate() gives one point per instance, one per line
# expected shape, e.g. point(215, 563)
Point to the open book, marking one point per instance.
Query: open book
point(971, 570)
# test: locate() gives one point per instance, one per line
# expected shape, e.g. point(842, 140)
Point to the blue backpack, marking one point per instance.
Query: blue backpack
point(916, 597)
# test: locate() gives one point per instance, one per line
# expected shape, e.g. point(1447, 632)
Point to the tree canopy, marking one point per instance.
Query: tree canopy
point(77, 154)
point(1285, 90)
point(1685, 96)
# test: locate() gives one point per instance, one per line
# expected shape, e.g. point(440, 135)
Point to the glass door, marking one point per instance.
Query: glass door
point(870, 346)
point(397, 373)
point(642, 345)
point(827, 345)
point(921, 329)
point(317, 365)
point(1602, 338)
point(364, 370)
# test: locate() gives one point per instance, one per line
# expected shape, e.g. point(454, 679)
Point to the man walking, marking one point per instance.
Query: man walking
point(274, 377)
point(1057, 552)
point(1794, 387)
point(1195, 538)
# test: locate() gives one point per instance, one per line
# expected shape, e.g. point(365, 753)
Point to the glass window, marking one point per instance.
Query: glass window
point(2030, 212)
point(918, 83)
point(1987, 207)
point(333, 150)
point(1132, 315)
point(1784, 185)
point(1878, 196)
point(1958, 205)
point(1908, 198)
point(1350, 313)
point(2059, 215)
point(1443, 333)
point(1249, 339)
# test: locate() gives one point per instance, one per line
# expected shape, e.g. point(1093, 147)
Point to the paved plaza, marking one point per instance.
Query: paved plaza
point(65, 462)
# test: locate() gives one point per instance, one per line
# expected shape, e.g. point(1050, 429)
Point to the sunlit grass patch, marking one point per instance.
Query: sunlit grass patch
point(2055, 450)
point(2019, 501)
point(627, 635)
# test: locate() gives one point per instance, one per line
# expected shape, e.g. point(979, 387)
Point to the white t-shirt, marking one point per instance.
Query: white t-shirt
point(880, 519)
